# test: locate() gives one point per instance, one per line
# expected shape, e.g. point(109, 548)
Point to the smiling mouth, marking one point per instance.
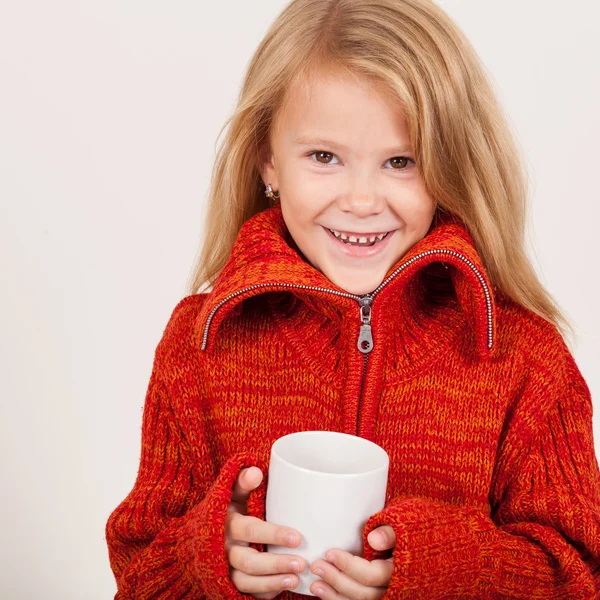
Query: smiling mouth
point(358, 240)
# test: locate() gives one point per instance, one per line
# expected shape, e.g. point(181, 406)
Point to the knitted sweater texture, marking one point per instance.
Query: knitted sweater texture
point(494, 485)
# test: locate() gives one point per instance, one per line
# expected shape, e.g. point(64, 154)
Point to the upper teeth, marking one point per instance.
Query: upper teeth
point(353, 238)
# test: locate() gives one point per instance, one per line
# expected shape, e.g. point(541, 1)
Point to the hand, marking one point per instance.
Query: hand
point(252, 571)
point(349, 577)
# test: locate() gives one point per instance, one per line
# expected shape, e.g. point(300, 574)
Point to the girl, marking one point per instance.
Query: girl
point(365, 256)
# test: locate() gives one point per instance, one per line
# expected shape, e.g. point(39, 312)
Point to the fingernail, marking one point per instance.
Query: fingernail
point(319, 572)
point(318, 592)
point(291, 538)
point(288, 582)
point(378, 538)
point(295, 565)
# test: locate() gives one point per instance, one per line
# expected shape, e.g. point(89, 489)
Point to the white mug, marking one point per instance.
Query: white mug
point(324, 484)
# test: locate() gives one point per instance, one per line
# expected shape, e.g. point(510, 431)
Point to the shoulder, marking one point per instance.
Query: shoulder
point(187, 308)
point(521, 329)
point(178, 333)
point(537, 346)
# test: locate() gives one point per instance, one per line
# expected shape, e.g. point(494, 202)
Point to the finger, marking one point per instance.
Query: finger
point(253, 562)
point(328, 592)
point(350, 574)
point(248, 479)
point(382, 538)
point(251, 584)
point(244, 528)
point(267, 596)
point(336, 585)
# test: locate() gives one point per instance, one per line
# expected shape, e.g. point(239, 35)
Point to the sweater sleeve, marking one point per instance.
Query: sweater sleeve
point(542, 538)
point(166, 539)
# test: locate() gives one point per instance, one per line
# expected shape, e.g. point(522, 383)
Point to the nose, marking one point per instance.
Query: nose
point(362, 204)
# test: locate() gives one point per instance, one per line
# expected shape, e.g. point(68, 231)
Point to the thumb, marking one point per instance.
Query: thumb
point(382, 538)
point(248, 479)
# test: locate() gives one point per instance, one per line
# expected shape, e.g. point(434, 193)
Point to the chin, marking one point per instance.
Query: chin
point(359, 291)
point(358, 288)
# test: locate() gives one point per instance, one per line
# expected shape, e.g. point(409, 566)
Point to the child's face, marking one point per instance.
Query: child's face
point(356, 182)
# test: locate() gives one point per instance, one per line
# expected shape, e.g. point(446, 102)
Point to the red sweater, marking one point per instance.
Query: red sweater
point(494, 486)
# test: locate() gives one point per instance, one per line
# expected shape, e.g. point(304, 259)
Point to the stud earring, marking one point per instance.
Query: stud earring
point(270, 193)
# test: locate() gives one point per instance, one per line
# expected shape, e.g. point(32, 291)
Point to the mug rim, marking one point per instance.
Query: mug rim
point(322, 433)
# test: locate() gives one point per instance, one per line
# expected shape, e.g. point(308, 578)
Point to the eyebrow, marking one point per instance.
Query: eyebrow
point(306, 141)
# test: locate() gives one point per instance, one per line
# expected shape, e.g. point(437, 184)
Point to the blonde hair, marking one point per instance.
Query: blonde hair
point(464, 148)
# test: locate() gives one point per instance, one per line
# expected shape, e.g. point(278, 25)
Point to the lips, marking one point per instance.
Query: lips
point(359, 250)
point(379, 237)
point(362, 244)
point(355, 234)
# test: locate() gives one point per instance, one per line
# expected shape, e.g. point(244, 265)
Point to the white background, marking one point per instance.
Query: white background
point(109, 112)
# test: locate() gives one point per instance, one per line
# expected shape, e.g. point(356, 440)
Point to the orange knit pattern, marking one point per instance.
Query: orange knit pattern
point(494, 485)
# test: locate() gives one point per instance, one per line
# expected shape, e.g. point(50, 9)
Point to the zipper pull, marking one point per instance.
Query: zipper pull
point(365, 339)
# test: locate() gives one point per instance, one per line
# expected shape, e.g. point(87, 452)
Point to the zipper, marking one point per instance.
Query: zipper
point(360, 395)
point(365, 345)
point(365, 338)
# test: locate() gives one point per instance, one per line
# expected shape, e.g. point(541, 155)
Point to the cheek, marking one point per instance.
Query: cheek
point(300, 182)
point(304, 206)
point(417, 212)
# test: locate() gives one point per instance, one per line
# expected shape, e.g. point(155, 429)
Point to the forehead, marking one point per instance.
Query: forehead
point(326, 84)
point(338, 103)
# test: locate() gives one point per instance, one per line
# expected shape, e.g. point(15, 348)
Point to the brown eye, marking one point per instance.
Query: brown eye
point(399, 160)
point(320, 155)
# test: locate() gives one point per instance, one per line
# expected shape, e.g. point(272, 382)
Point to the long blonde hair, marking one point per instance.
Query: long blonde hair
point(466, 153)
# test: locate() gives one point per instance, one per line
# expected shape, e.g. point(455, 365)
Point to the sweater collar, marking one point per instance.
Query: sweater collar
point(265, 258)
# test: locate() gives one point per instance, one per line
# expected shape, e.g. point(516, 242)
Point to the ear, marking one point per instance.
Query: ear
point(266, 166)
